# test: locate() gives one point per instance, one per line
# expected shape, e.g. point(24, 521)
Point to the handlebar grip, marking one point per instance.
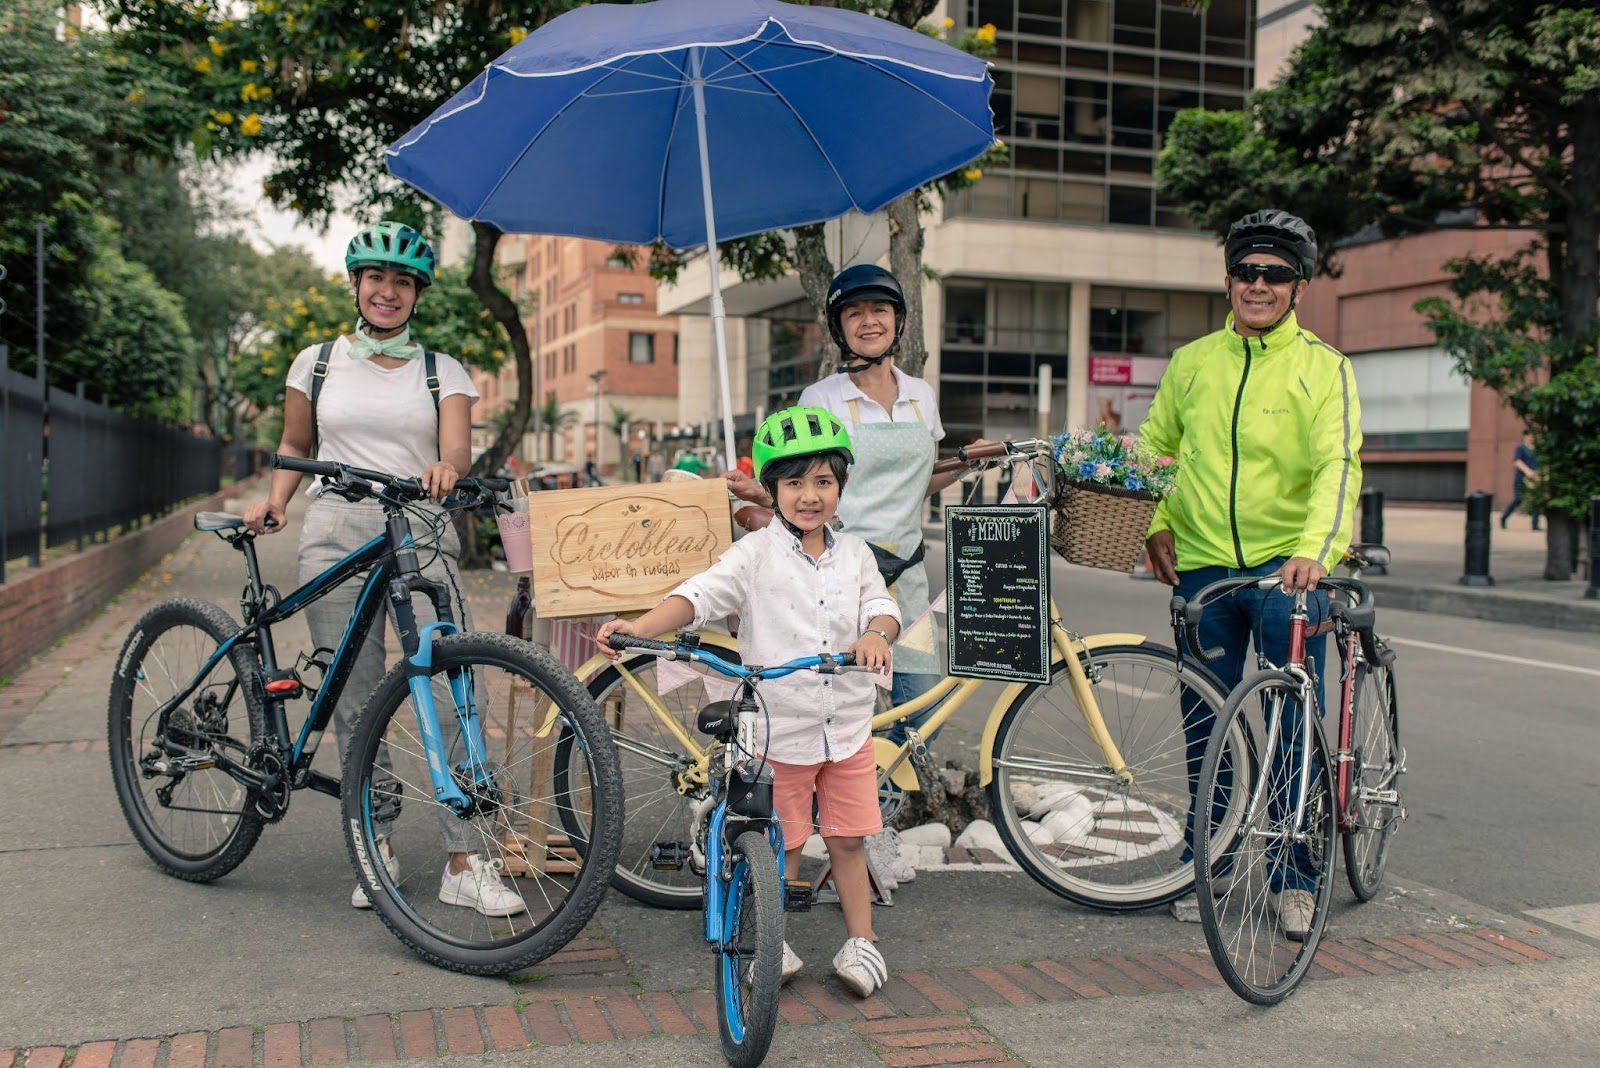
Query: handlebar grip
point(990, 451)
point(945, 467)
point(629, 641)
point(487, 485)
point(326, 468)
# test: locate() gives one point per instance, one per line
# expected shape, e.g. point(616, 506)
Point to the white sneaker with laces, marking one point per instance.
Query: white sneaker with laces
point(1295, 909)
point(884, 848)
point(859, 966)
point(791, 963)
point(480, 887)
point(385, 851)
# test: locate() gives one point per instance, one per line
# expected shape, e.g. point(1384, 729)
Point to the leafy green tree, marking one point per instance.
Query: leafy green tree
point(552, 419)
point(1414, 115)
point(620, 418)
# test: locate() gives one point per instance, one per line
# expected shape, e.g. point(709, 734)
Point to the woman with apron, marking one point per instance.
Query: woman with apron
point(893, 421)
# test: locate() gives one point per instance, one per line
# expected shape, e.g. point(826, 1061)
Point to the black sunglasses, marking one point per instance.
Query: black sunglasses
point(1276, 274)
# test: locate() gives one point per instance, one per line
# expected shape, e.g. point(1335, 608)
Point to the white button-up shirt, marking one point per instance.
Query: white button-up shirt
point(914, 402)
point(791, 606)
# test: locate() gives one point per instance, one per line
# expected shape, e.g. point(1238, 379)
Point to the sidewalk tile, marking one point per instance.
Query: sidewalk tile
point(1036, 983)
point(905, 997)
point(1455, 960)
point(504, 1027)
point(701, 1007)
point(1336, 967)
point(820, 998)
point(948, 1055)
point(1474, 949)
point(1171, 972)
point(1512, 944)
point(374, 1039)
point(1149, 980)
point(235, 1048)
point(627, 1018)
point(139, 1053)
point(875, 1006)
point(1109, 978)
point(183, 1051)
point(968, 1036)
point(1199, 964)
point(92, 1055)
point(920, 1023)
point(939, 996)
point(1502, 953)
point(1079, 984)
point(671, 1020)
point(280, 1046)
point(327, 1041)
point(416, 1034)
point(1387, 956)
point(544, 1023)
point(461, 1033)
point(970, 989)
point(46, 1057)
point(588, 1022)
point(1003, 986)
point(1415, 956)
point(793, 1008)
point(1355, 958)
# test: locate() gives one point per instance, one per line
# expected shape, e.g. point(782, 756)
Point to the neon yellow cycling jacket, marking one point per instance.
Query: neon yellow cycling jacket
point(1267, 434)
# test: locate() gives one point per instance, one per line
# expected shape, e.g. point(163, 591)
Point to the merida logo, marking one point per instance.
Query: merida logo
point(1274, 411)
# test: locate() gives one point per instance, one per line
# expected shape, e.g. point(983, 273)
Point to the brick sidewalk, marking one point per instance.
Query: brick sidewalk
point(586, 995)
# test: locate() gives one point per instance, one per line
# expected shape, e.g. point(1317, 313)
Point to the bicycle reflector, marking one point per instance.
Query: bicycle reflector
point(284, 683)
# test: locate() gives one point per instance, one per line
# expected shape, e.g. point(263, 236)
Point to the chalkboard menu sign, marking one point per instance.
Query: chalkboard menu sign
point(997, 580)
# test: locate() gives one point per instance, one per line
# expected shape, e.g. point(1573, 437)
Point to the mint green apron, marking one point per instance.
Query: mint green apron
point(883, 504)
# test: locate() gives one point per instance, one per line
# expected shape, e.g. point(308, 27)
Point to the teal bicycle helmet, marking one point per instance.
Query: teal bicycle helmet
point(392, 244)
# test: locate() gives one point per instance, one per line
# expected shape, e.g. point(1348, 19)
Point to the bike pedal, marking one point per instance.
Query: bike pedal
point(796, 895)
point(669, 856)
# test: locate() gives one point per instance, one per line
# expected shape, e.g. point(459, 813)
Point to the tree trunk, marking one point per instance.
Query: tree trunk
point(504, 310)
point(905, 263)
point(1577, 258)
point(816, 271)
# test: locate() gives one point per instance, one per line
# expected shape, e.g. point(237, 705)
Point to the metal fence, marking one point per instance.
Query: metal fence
point(105, 469)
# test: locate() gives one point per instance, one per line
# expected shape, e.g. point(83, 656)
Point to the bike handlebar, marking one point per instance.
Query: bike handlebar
point(825, 663)
point(409, 488)
point(1186, 613)
point(993, 450)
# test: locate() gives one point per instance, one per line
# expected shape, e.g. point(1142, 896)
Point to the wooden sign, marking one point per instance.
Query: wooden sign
point(997, 578)
point(623, 548)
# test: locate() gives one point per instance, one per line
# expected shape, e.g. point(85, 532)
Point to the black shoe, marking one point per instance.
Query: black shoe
point(1502, 524)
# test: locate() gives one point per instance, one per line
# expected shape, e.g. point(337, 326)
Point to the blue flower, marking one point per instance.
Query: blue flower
point(1132, 482)
point(1086, 469)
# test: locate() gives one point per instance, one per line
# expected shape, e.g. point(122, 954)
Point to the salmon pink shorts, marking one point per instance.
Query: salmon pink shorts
point(846, 792)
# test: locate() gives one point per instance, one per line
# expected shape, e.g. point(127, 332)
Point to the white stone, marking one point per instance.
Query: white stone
point(1036, 833)
point(1071, 823)
point(980, 834)
point(1024, 797)
point(1053, 796)
point(815, 848)
point(928, 834)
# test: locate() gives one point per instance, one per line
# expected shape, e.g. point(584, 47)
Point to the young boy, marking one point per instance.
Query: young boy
point(800, 588)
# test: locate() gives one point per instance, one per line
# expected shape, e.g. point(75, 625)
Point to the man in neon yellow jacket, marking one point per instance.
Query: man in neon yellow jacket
point(1264, 422)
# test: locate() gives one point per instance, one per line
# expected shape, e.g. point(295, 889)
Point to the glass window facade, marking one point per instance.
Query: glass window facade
point(1084, 93)
point(784, 355)
point(995, 337)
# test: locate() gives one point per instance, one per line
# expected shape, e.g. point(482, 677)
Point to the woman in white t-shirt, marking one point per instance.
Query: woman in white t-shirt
point(377, 408)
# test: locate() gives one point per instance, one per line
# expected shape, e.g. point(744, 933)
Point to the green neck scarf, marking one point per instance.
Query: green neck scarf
point(398, 347)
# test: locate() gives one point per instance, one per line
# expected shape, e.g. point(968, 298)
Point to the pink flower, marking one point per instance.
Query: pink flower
point(1102, 470)
point(1163, 461)
point(1128, 441)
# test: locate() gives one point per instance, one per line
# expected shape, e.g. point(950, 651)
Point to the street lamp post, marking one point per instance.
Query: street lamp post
point(597, 378)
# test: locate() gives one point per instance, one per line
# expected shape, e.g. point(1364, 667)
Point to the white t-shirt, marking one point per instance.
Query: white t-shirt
point(376, 417)
point(837, 391)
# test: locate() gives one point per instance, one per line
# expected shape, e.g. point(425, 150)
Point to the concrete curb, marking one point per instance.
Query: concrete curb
point(1500, 606)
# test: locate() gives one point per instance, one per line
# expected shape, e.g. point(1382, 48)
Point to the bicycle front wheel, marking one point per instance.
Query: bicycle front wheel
point(193, 819)
point(1265, 891)
point(494, 889)
point(654, 764)
point(750, 958)
point(1080, 829)
point(1373, 807)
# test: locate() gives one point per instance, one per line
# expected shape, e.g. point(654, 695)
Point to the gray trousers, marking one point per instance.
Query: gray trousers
point(334, 528)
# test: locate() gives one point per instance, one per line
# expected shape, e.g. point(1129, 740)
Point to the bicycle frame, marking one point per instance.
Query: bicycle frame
point(391, 562)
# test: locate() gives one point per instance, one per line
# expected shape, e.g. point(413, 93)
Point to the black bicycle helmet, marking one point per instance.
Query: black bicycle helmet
point(1276, 232)
point(864, 281)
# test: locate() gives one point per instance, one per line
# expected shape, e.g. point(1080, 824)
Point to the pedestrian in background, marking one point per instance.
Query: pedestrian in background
point(1524, 469)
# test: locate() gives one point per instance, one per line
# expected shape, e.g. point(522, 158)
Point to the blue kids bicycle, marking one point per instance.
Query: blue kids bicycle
point(449, 814)
point(738, 848)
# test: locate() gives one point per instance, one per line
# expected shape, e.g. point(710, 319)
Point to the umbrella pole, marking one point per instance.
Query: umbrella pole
point(719, 314)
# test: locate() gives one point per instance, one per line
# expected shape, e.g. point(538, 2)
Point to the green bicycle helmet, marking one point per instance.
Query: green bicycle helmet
point(799, 432)
point(392, 244)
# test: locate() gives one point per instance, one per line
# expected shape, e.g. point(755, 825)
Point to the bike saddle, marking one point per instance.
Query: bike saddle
point(717, 719)
point(217, 521)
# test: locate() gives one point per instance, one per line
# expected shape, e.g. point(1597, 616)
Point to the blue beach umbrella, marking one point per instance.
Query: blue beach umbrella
point(690, 120)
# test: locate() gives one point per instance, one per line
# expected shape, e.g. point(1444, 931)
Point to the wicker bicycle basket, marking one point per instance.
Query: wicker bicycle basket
point(1100, 526)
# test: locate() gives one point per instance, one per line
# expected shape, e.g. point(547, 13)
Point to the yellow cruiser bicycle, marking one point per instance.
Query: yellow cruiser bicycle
point(1086, 776)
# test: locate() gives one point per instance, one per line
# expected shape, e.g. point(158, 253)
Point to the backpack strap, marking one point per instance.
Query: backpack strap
point(319, 372)
point(430, 361)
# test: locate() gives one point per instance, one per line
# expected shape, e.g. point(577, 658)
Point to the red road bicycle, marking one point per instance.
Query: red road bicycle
point(1297, 793)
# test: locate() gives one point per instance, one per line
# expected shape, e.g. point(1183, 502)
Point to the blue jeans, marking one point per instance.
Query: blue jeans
point(907, 687)
point(1232, 623)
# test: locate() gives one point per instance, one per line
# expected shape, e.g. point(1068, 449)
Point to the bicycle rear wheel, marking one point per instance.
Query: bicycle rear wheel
point(1244, 883)
point(192, 818)
point(1373, 807)
point(528, 890)
point(1076, 827)
point(652, 758)
point(750, 958)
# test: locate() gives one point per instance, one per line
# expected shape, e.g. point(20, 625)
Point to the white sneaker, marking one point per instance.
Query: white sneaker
point(1295, 909)
point(884, 849)
point(859, 966)
point(791, 963)
point(480, 887)
point(385, 851)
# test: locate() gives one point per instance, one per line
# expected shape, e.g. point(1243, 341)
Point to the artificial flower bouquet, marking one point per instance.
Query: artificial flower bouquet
point(1103, 457)
point(1107, 488)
